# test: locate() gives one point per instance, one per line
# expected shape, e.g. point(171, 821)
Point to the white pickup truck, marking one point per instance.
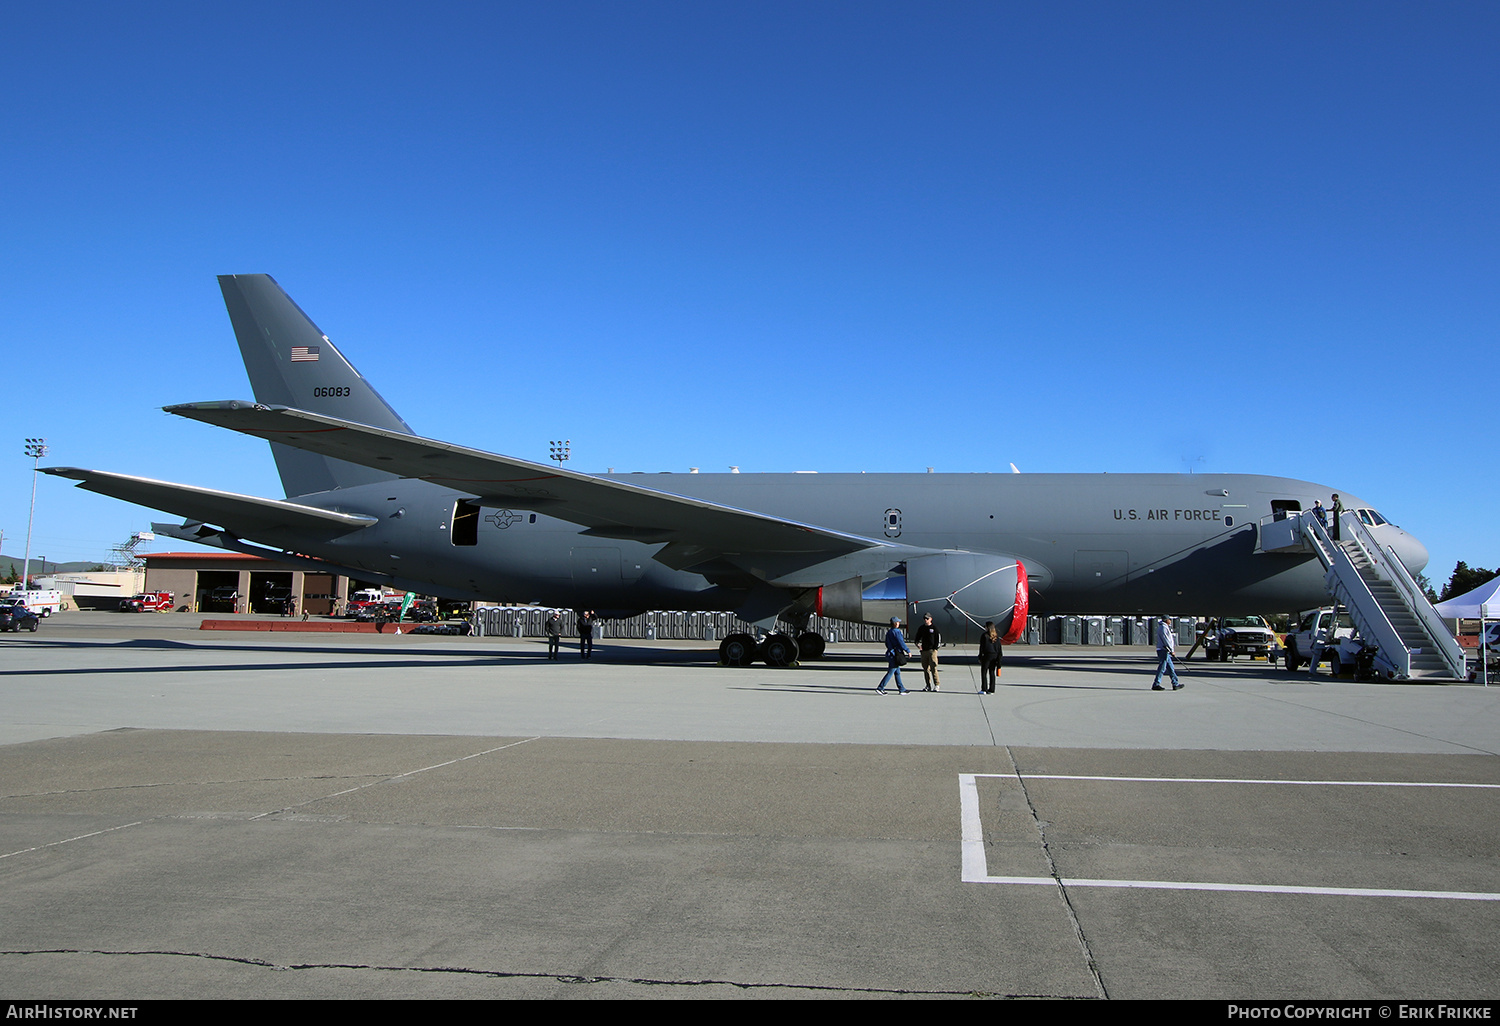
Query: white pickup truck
point(1230, 636)
point(1343, 649)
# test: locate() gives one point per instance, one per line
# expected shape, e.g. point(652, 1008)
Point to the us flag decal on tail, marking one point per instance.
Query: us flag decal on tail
point(304, 354)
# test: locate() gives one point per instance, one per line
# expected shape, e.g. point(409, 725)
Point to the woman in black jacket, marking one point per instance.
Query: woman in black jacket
point(989, 658)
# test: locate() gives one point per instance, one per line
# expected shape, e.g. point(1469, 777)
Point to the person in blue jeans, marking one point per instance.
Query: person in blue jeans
point(1166, 645)
point(894, 643)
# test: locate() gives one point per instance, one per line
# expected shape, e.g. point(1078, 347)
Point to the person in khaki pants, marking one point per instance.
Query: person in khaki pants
point(928, 640)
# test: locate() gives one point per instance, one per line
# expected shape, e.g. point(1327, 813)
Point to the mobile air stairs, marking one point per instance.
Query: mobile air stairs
point(1364, 576)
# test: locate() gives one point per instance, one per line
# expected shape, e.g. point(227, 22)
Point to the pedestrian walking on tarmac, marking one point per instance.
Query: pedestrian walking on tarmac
point(896, 656)
point(1166, 647)
point(554, 634)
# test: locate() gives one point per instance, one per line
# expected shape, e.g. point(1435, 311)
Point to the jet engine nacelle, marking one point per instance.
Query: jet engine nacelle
point(854, 601)
point(965, 590)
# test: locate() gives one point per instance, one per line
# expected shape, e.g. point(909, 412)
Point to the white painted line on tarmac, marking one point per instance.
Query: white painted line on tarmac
point(80, 837)
point(398, 776)
point(1247, 780)
point(975, 865)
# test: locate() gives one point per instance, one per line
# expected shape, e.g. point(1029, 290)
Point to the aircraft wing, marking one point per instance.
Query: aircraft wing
point(242, 514)
point(696, 531)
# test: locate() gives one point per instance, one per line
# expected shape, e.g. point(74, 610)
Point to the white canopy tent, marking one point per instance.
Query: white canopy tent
point(1481, 604)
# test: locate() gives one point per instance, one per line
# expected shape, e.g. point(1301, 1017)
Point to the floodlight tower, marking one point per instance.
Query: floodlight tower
point(560, 451)
point(36, 448)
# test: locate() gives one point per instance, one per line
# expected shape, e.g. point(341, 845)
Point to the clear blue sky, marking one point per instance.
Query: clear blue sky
point(1236, 237)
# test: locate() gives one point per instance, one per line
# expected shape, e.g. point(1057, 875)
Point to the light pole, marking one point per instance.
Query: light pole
point(560, 451)
point(36, 448)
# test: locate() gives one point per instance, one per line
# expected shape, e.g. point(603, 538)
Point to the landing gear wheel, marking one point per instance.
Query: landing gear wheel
point(779, 650)
point(737, 650)
point(810, 645)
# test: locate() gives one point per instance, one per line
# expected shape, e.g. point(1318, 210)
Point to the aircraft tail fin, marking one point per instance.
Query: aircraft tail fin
point(292, 363)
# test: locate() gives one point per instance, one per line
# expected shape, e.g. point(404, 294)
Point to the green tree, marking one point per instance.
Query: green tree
point(1465, 579)
point(12, 577)
point(1426, 586)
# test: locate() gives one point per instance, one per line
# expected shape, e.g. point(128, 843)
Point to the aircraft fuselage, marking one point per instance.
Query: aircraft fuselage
point(1106, 543)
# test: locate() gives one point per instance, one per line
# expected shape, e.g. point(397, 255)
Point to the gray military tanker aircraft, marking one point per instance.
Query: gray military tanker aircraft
point(368, 497)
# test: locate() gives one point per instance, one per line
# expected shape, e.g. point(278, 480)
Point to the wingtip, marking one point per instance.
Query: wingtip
point(188, 409)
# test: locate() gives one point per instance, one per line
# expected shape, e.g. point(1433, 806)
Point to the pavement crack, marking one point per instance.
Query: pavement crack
point(194, 783)
point(1062, 890)
point(503, 974)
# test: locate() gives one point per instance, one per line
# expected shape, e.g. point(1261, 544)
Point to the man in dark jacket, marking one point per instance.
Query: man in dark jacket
point(554, 634)
point(928, 641)
point(586, 633)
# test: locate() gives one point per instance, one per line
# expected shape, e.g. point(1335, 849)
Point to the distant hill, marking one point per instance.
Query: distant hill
point(75, 567)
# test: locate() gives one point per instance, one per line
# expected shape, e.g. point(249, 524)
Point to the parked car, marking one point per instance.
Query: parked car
point(14, 616)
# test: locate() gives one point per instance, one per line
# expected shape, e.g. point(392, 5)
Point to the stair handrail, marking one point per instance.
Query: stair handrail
point(1374, 626)
point(1390, 568)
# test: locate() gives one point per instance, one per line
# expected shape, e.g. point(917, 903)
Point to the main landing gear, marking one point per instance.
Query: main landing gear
point(778, 649)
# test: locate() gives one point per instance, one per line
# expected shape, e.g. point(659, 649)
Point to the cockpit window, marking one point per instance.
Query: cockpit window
point(1364, 515)
point(1379, 520)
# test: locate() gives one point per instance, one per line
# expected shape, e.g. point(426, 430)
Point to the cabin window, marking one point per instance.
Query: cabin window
point(465, 523)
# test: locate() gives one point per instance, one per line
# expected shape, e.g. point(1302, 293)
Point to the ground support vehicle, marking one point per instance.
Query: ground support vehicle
point(1483, 661)
point(1230, 636)
point(1329, 635)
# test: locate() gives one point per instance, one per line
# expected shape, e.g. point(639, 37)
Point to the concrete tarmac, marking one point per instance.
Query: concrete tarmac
point(196, 814)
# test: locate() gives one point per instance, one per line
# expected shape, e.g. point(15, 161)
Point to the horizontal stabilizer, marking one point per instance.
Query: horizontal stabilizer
point(201, 534)
point(244, 515)
point(757, 542)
